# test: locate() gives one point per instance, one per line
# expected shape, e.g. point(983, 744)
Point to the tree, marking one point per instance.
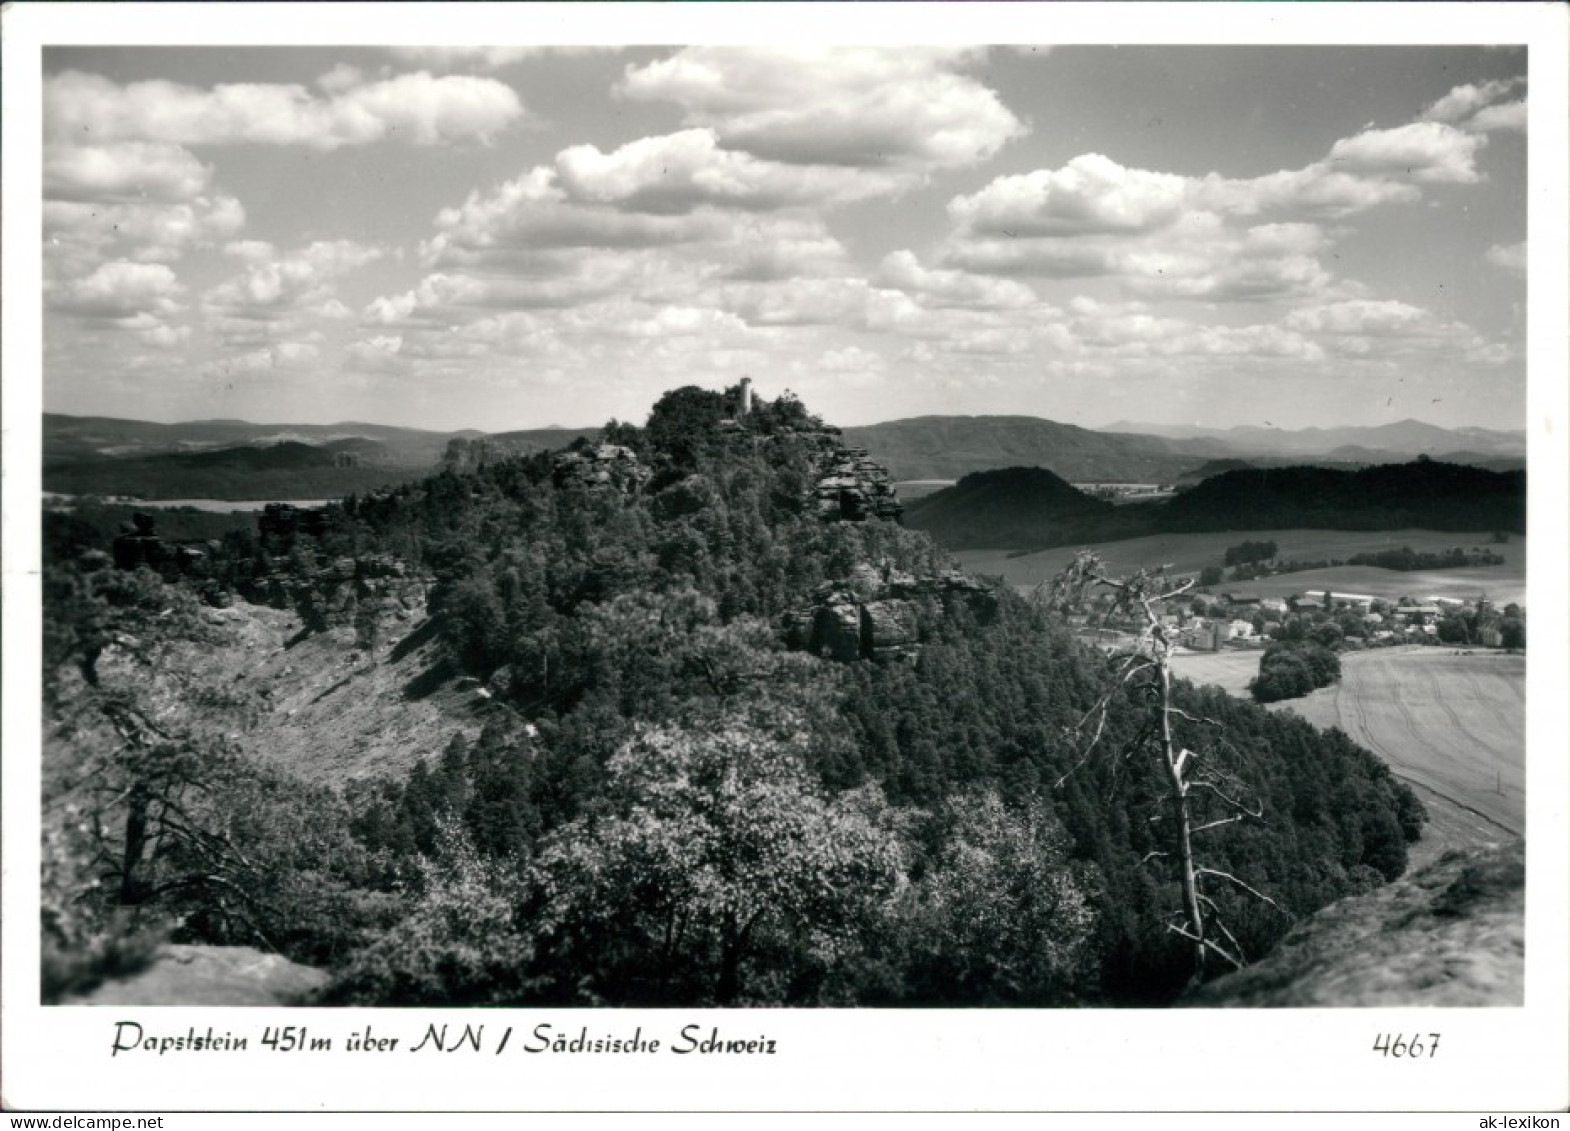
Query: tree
point(1198, 783)
point(715, 844)
point(683, 423)
point(1000, 914)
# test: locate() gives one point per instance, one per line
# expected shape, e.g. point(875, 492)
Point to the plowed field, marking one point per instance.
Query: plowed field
point(1453, 723)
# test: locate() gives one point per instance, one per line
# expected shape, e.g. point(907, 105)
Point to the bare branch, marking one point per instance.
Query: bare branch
point(1224, 821)
point(1200, 783)
point(1237, 963)
point(1255, 892)
point(1202, 720)
point(1152, 855)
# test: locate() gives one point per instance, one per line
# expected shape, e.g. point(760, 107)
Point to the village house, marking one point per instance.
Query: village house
point(1204, 636)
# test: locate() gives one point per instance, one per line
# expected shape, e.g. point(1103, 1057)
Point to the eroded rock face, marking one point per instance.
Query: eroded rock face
point(877, 613)
point(889, 630)
point(600, 467)
point(853, 488)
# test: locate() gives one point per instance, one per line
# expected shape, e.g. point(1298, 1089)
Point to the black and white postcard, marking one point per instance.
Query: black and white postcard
point(895, 557)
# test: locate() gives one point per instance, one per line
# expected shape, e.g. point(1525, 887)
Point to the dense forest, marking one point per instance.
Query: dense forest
point(1009, 509)
point(692, 787)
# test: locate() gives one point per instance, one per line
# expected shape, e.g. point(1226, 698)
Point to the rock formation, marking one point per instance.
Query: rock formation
point(852, 488)
point(877, 613)
point(600, 467)
point(138, 544)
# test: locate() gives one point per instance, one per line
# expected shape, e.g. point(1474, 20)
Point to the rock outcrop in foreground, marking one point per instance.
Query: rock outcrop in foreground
point(212, 975)
point(1451, 934)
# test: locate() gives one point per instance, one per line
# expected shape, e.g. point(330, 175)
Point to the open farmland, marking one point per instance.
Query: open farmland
point(1229, 670)
point(1189, 553)
point(1453, 724)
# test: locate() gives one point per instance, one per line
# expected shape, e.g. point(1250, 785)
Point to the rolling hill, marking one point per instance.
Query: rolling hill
point(234, 459)
point(948, 447)
point(1404, 438)
point(1023, 507)
point(1012, 510)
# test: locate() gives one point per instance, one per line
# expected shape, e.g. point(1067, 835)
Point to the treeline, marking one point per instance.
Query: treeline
point(1246, 552)
point(1408, 559)
point(669, 806)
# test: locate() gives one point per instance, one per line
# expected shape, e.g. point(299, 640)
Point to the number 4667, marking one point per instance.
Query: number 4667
point(1397, 1045)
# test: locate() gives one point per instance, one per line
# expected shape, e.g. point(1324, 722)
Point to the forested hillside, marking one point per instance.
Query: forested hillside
point(1008, 509)
point(738, 737)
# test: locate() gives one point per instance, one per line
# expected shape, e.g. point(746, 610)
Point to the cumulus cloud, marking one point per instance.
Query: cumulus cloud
point(1091, 194)
point(1511, 257)
point(417, 108)
point(553, 280)
point(1367, 328)
point(488, 58)
point(1200, 256)
point(767, 248)
point(120, 289)
point(1481, 107)
point(379, 354)
point(901, 270)
point(682, 171)
point(78, 234)
point(849, 302)
point(289, 356)
point(1164, 235)
point(277, 294)
point(1130, 331)
point(857, 107)
point(534, 212)
point(853, 365)
point(127, 169)
point(1428, 152)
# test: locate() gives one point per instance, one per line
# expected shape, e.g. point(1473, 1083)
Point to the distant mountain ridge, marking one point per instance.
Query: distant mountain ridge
point(104, 437)
point(100, 454)
point(949, 447)
point(1404, 437)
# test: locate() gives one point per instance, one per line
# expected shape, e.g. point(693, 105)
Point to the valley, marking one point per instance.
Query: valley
point(1450, 722)
point(1190, 553)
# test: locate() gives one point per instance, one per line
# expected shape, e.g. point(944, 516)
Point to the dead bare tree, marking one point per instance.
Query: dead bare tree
point(1191, 753)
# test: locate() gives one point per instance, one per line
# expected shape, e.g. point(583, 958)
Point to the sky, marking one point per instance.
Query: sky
point(501, 238)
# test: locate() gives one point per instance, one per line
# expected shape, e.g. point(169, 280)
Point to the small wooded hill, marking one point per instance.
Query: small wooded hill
point(1012, 509)
point(1424, 493)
